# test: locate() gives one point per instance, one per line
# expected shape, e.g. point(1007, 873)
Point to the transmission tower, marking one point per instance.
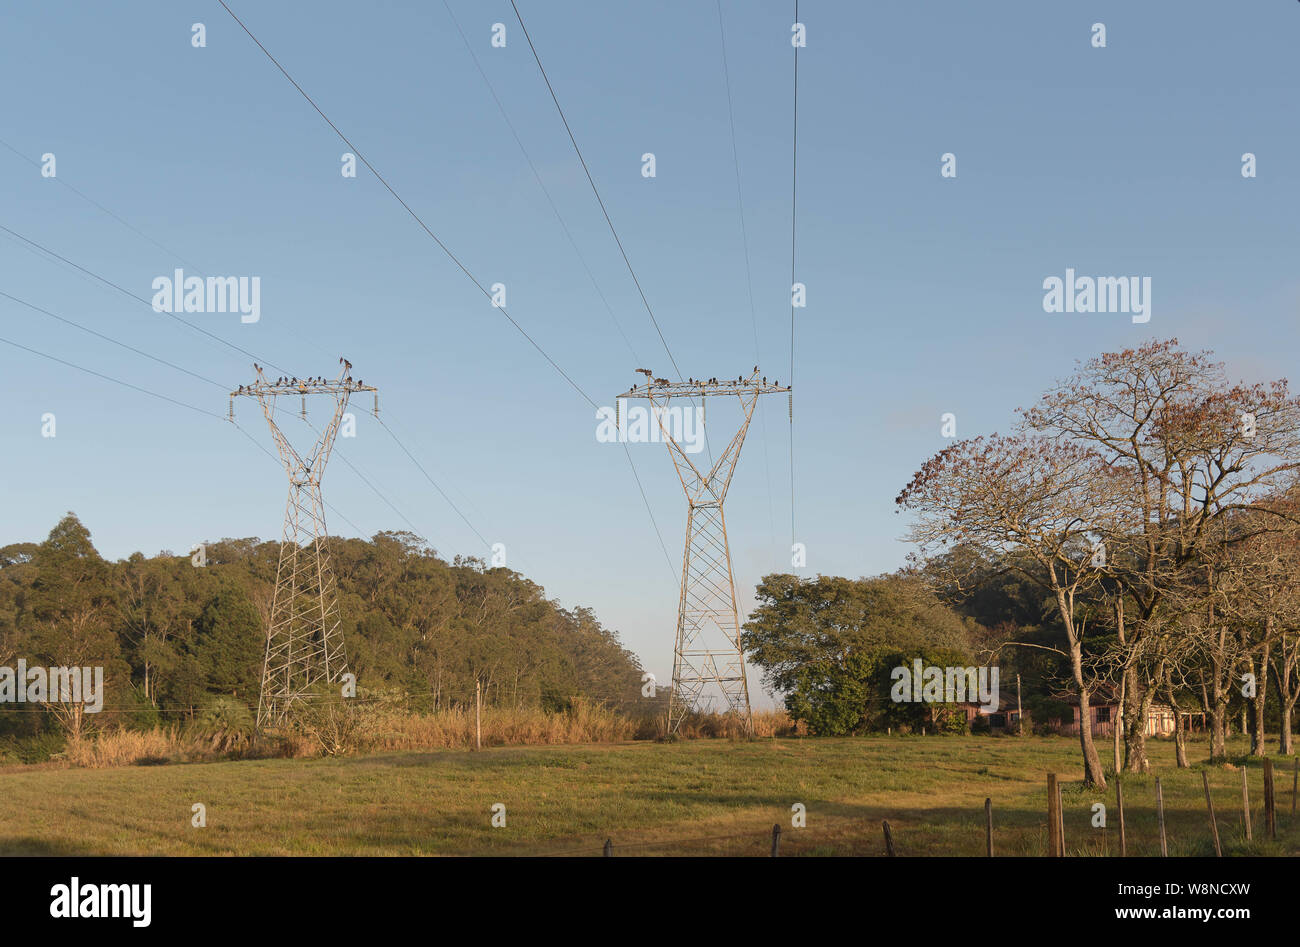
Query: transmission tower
point(304, 645)
point(707, 651)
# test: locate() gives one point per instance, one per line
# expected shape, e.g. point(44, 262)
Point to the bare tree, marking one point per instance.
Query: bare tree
point(1192, 448)
point(1045, 509)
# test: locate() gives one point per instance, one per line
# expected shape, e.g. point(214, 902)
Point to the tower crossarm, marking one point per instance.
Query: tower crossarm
point(693, 388)
point(267, 393)
point(660, 392)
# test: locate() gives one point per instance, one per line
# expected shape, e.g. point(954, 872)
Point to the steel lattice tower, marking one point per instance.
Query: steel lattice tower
point(304, 645)
point(707, 650)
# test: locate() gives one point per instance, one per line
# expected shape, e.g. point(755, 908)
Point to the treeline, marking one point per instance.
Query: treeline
point(175, 639)
point(1154, 505)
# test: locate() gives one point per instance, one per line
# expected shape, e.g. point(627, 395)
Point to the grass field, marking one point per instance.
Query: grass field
point(705, 797)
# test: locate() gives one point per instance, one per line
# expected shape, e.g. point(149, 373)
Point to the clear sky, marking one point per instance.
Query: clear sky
point(925, 293)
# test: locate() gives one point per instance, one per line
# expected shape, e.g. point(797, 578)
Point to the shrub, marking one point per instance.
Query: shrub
point(226, 724)
point(34, 748)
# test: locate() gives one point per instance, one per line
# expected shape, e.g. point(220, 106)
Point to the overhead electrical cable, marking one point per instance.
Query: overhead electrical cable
point(749, 278)
point(407, 207)
point(794, 204)
point(461, 266)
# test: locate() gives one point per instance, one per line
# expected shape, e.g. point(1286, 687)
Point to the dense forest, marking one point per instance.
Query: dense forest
point(175, 638)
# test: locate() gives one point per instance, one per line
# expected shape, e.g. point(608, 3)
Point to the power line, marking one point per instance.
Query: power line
point(749, 278)
point(416, 217)
point(117, 287)
point(442, 492)
point(626, 261)
point(366, 480)
point(116, 381)
point(141, 352)
point(794, 194)
point(107, 338)
point(178, 257)
point(155, 394)
point(152, 394)
point(537, 176)
point(407, 207)
point(594, 189)
point(140, 299)
point(95, 203)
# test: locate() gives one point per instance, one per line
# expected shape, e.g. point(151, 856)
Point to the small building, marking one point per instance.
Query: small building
point(1006, 717)
point(1104, 711)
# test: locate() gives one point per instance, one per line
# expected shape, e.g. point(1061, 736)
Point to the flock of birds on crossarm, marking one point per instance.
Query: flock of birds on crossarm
point(301, 384)
point(692, 381)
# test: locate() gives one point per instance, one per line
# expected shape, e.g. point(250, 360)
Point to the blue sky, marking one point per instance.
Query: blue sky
point(924, 293)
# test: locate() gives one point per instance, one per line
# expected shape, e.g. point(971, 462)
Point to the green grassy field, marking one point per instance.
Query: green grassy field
point(706, 797)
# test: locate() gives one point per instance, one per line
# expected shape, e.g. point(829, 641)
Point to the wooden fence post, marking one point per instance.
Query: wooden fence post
point(1270, 814)
point(1060, 821)
point(609, 848)
point(889, 839)
point(1053, 817)
point(776, 840)
point(988, 826)
point(1119, 804)
point(1209, 804)
point(1160, 817)
point(1245, 806)
point(478, 715)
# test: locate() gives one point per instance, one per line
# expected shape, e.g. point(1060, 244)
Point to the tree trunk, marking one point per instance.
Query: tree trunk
point(1117, 725)
point(1093, 774)
point(1286, 701)
point(1135, 723)
point(1257, 704)
point(1215, 703)
point(1180, 735)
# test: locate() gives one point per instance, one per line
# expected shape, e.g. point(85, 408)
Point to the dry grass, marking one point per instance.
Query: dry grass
point(134, 747)
point(454, 729)
point(383, 729)
point(767, 723)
